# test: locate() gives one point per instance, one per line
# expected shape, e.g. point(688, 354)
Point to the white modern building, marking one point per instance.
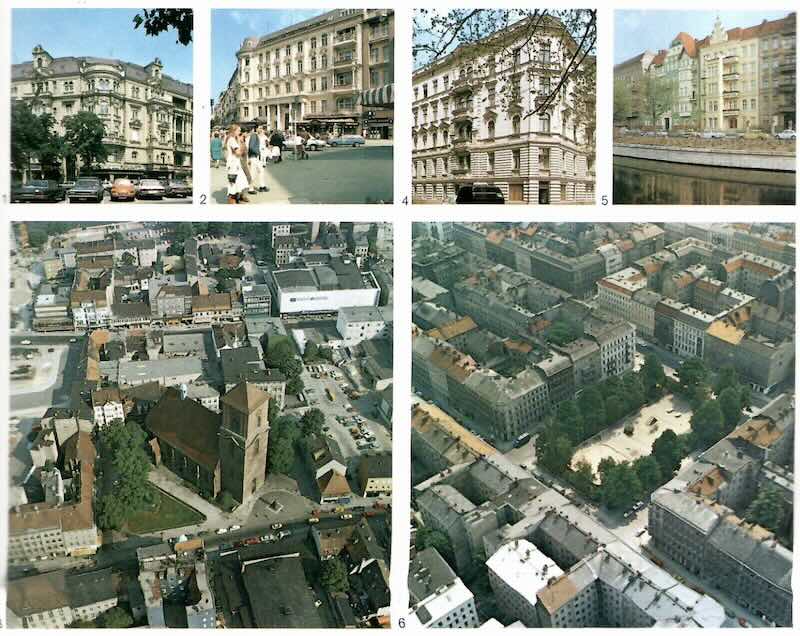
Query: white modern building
point(323, 289)
point(107, 407)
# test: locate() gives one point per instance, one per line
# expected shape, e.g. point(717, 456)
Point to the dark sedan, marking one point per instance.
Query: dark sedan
point(178, 189)
point(41, 190)
point(87, 189)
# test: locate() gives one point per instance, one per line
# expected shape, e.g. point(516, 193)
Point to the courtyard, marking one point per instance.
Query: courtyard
point(671, 412)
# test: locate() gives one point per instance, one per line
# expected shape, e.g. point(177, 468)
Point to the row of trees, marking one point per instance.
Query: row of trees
point(34, 137)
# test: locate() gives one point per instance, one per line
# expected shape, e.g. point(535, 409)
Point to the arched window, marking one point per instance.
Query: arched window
point(515, 125)
point(491, 129)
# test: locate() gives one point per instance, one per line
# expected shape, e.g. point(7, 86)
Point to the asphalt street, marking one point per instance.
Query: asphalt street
point(334, 175)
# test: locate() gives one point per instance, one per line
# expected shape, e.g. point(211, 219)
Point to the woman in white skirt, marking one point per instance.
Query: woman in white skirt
point(237, 179)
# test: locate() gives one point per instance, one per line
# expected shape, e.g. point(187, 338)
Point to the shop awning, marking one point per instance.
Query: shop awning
point(381, 96)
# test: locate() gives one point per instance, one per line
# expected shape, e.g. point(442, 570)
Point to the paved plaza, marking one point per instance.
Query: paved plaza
point(335, 175)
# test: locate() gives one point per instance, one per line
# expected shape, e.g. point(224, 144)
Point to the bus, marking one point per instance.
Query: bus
point(330, 394)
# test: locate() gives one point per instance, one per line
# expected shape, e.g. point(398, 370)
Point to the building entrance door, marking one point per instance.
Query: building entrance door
point(515, 192)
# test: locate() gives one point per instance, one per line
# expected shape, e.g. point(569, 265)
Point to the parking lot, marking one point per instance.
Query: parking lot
point(671, 412)
point(350, 422)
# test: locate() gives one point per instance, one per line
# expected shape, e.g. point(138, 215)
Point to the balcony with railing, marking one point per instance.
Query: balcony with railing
point(787, 66)
point(342, 39)
point(376, 35)
point(787, 84)
point(343, 60)
point(462, 111)
point(731, 75)
point(461, 84)
point(460, 144)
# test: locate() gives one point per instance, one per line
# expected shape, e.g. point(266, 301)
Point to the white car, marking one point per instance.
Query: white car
point(222, 531)
point(232, 528)
point(25, 342)
point(347, 140)
point(786, 134)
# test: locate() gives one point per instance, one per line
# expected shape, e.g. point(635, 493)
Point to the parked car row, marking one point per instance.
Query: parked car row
point(93, 190)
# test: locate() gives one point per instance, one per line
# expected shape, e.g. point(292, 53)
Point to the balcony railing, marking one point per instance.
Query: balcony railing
point(461, 85)
point(730, 110)
point(343, 61)
point(732, 75)
point(344, 38)
point(380, 34)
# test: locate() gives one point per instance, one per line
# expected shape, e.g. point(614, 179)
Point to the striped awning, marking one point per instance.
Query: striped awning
point(381, 96)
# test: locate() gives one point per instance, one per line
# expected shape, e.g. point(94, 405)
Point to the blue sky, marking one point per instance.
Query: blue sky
point(96, 33)
point(637, 31)
point(230, 27)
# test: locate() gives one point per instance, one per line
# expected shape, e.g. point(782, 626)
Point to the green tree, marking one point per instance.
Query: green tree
point(658, 96)
point(620, 487)
point(333, 576)
point(291, 367)
point(278, 354)
point(157, 21)
point(668, 452)
point(427, 537)
point(125, 464)
point(727, 377)
point(553, 450)
point(37, 237)
point(127, 259)
point(593, 410)
point(115, 618)
point(280, 455)
point(311, 351)
point(83, 138)
point(767, 509)
point(312, 422)
point(707, 424)
point(648, 471)
point(730, 403)
point(582, 478)
point(295, 385)
point(653, 377)
point(622, 102)
point(33, 137)
point(615, 409)
point(570, 421)
point(692, 374)
point(632, 391)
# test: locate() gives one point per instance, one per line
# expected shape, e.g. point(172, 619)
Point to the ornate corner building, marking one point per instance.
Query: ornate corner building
point(333, 73)
point(147, 114)
point(505, 120)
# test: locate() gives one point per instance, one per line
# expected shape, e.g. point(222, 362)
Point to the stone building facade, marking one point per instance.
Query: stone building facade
point(147, 114)
point(482, 120)
point(332, 73)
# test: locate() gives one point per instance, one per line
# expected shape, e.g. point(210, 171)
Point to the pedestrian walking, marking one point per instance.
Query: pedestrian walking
point(263, 156)
point(257, 182)
point(277, 140)
point(237, 179)
point(216, 149)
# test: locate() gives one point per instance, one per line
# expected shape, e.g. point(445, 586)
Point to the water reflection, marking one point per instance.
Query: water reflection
point(644, 181)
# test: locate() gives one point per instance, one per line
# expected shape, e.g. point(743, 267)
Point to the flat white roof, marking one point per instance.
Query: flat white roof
point(523, 567)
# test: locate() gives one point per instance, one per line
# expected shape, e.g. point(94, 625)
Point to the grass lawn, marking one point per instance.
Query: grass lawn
point(167, 513)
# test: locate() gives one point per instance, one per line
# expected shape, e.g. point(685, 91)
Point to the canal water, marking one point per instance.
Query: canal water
point(646, 181)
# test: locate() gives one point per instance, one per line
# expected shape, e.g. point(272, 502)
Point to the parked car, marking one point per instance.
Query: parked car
point(87, 189)
point(150, 189)
point(66, 186)
point(786, 134)
point(39, 190)
point(316, 144)
point(480, 193)
point(222, 530)
point(178, 189)
point(347, 140)
point(713, 134)
point(277, 526)
point(235, 527)
point(123, 190)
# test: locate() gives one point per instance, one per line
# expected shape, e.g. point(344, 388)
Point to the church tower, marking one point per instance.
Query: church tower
point(243, 439)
